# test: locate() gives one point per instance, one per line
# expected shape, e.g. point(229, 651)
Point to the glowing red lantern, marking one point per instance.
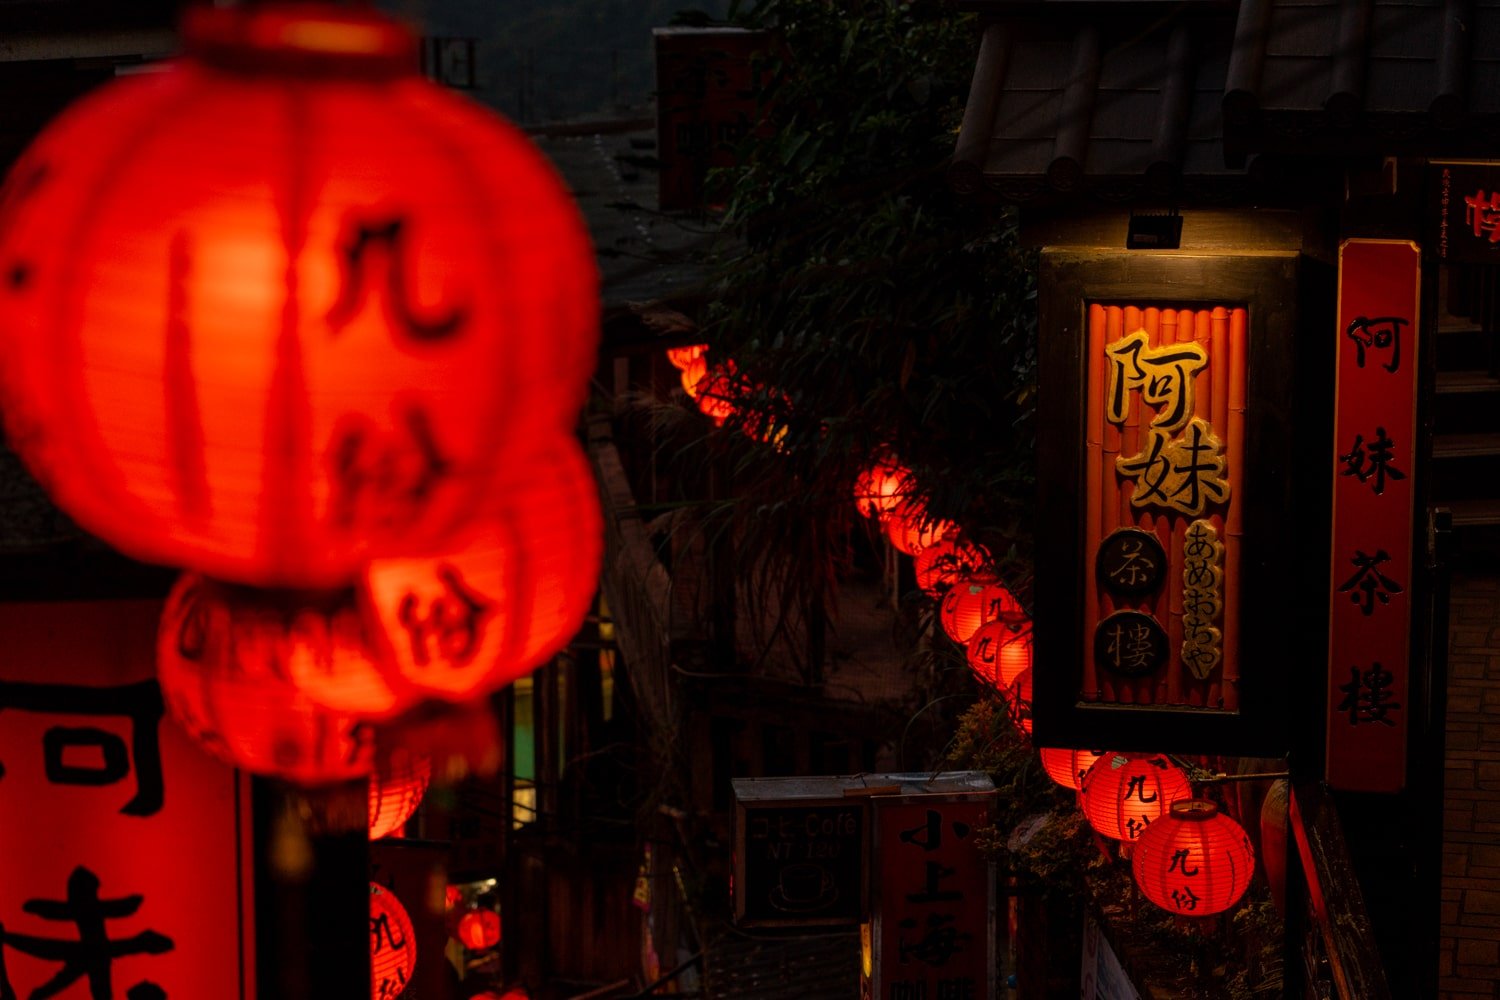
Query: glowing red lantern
point(681, 357)
point(882, 486)
point(973, 602)
point(1019, 695)
point(479, 929)
point(396, 789)
point(1194, 861)
point(393, 944)
point(1067, 767)
point(1000, 650)
point(716, 392)
point(910, 530)
point(452, 897)
point(693, 374)
point(510, 593)
point(282, 306)
point(1123, 794)
point(944, 563)
point(219, 651)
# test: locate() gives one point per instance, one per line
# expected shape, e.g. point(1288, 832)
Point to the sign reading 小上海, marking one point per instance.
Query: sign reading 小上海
point(1465, 213)
point(1373, 470)
point(125, 871)
point(934, 930)
point(1165, 438)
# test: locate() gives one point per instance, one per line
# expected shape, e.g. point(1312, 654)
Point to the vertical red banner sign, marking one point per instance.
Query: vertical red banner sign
point(934, 929)
point(1374, 464)
point(123, 854)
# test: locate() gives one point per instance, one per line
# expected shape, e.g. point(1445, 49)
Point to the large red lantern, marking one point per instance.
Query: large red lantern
point(999, 650)
point(882, 486)
point(284, 305)
point(219, 655)
point(393, 944)
point(1068, 767)
point(973, 602)
point(479, 929)
point(910, 530)
point(1123, 794)
point(1194, 861)
point(944, 563)
point(396, 789)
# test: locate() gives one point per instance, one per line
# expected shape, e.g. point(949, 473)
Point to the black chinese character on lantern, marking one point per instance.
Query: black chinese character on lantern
point(1184, 898)
point(1373, 460)
point(1130, 643)
point(141, 703)
point(384, 478)
point(1368, 585)
point(361, 239)
point(1367, 696)
point(1131, 562)
point(450, 629)
point(1377, 333)
point(1180, 863)
point(91, 954)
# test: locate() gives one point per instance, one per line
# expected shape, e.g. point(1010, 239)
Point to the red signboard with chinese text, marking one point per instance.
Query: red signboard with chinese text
point(1374, 462)
point(934, 921)
point(1465, 216)
point(1165, 437)
point(123, 872)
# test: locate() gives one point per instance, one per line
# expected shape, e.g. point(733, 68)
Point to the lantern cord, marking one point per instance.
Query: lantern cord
point(1202, 776)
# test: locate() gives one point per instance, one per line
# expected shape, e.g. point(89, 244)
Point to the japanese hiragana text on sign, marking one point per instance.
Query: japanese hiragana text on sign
point(126, 880)
point(1165, 432)
point(1373, 455)
point(934, 901)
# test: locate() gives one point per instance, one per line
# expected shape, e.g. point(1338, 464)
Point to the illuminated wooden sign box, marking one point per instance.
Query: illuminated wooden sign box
point(1169, 557)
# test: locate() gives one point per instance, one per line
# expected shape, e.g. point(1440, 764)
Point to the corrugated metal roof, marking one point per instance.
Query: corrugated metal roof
point(1130, 99)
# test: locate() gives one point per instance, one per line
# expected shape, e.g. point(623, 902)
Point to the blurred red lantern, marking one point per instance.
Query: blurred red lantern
point(694, 373)
point(944, 563)
point(396, 789)
point(452, 897)
point(220, 654)
point(511, 591)
point(393, 944)
point(681, 357)
point(910, 530)
point(973, 602)
point(1194, 861)
point(1067, 767)
point(882, 486)
point(1000, 650)
point(479, 929)
point(717, 392)
point(1123, 794)
point(1019, 695)
point(283, 305)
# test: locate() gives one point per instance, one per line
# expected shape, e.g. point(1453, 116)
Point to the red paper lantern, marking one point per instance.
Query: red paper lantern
point(479, 929)
point(1123, 794)
point(220, 654)
point(284, 305)
point(973, 602)
point(393, 944)
point(681, 357)
point(1019, 696)
point(1194, 861)
point(1000, 650)
point(910, 530)
point(882, 486)
point(396, 789)
point(944, 563)
point(716, 392)
point(693, 374)
point(1068, 767)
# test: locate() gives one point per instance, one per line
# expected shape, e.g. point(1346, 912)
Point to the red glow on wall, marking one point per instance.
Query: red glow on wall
point(306, 302)
point(1194, 861)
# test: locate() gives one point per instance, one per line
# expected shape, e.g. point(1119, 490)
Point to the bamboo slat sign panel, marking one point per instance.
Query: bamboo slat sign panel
point(1165, 440)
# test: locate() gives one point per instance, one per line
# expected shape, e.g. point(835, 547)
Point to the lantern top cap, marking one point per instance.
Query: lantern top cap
point(1195, 810)
point(300, 39)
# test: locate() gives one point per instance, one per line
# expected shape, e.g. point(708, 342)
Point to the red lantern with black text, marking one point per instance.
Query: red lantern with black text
point(1068, 767)
point(946, 562)
point(910, 530)
point(1019, 696)
point(393, 944)
point(283, 306)
point(973, 602)
point(1000, 650)
point(882, 486)
point(220, 653)
point(479, 930)
point(1194, 861)
point(396, 789)
point(1123, 794)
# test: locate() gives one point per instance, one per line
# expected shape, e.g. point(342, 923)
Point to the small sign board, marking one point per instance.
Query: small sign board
point(1464, 217)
